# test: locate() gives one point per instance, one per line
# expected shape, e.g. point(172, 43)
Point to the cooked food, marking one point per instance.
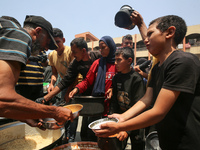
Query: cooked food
point(31, 142)
point(74, 107)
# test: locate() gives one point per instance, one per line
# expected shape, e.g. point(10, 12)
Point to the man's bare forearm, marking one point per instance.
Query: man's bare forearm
point(21, 108)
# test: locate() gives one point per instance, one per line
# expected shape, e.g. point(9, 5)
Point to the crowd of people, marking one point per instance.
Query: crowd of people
point(164, 94)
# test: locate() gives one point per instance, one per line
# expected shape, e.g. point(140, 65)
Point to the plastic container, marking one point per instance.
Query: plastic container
point(45, 87)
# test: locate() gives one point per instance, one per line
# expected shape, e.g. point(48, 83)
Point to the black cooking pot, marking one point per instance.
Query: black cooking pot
point(122, 18)
point(92, 106)
point(110, 143)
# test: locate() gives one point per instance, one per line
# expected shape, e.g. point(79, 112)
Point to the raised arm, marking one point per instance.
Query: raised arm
point(137, 19)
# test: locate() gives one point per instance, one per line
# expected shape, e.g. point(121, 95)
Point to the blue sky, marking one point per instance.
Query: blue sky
point(78, 16)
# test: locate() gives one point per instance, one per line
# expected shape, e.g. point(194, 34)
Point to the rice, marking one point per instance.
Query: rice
point(30, 142)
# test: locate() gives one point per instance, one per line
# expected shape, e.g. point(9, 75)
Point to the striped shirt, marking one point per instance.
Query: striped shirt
point(32, 74)
point(15, 42)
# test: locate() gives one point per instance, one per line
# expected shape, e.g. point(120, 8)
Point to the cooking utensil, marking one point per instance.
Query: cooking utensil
point(51, 124)
point(75, 108)
point(92, 106)
point(78, 146)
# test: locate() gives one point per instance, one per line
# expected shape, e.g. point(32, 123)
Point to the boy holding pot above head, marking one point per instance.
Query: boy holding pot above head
point(128, 88)
point(174, 89)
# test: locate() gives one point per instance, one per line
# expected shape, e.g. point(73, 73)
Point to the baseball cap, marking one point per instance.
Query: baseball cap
point(40, 21)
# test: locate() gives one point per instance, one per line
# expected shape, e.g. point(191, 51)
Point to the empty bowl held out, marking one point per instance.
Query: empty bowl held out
point(95, 125)
point(75, 108)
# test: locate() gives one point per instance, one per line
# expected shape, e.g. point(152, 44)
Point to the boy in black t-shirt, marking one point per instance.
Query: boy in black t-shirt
point(128, 88)
point(174, 89)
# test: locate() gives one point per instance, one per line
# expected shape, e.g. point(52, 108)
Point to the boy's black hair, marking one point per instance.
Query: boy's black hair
point(172, 20)
point(57, 33)
point(128, 37)
point(80, 43)
point(126, 53)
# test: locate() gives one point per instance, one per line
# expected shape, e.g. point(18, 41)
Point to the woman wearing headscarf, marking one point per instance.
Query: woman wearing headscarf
point(100, 73)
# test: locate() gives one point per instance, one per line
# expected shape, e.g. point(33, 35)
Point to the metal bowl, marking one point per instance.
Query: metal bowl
point(51, 124)
point(95, 125)
point(75, 108)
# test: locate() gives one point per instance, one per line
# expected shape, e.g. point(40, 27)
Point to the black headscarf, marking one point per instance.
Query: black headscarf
point(99, 85)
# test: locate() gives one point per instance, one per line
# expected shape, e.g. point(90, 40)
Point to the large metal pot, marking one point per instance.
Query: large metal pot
point(92, 106)
point(4, 120)
point(79, 146)
point(18, 130)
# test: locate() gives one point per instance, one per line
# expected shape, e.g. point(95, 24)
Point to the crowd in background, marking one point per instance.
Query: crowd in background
point(151, 95)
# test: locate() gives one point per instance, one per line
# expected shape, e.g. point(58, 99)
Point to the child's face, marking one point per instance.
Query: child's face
point(122, 65)
point(155, 40)
point(105, 50)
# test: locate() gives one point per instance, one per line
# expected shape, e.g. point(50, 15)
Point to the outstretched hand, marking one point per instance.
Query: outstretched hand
point(109, 93)
point(50, 88)
point(122, 135)
point(73, 92)
point(34, 123)
point(62, 115)
point(107, 129)
point(40, 100)
point(118, 116)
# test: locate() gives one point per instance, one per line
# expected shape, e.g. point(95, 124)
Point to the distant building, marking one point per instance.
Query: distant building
point(191, 42)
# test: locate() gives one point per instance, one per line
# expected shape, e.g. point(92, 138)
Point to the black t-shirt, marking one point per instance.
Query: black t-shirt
point(77, 67)
point(180, 129)
point(127, 90)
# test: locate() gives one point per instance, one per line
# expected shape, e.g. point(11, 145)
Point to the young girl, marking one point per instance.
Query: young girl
point(101, 73)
